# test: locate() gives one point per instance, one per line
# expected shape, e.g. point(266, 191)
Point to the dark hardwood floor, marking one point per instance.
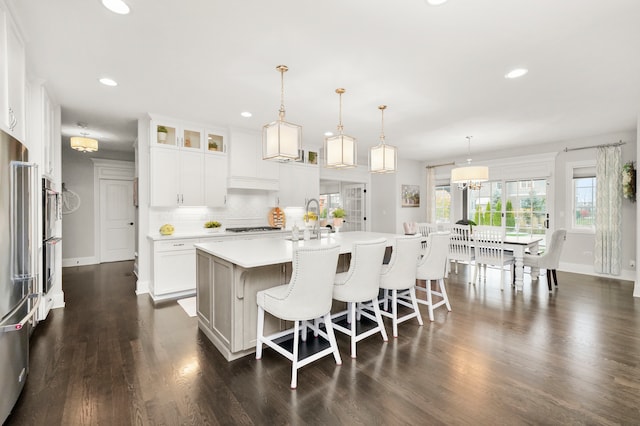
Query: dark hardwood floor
point(570, 357)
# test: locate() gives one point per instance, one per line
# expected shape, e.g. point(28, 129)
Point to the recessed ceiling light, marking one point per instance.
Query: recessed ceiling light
point(518, 72)
point(116, 6)
point(246, 114)
point(328, 134)
point(108, 82)
point(436, 2)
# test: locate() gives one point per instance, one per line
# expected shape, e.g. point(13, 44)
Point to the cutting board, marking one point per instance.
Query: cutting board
point(277, 217)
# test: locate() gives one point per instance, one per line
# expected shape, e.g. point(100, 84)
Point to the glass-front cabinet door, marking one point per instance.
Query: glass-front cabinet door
point(216, 141)
point(165, 133)
point(191, 138)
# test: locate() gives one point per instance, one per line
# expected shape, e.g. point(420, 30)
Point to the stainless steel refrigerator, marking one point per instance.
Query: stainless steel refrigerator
point(19, 297)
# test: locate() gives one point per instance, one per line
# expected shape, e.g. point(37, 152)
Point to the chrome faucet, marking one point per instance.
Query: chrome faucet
point(315, 232)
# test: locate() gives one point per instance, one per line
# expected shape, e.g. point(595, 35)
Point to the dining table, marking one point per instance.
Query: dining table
point(518, 244)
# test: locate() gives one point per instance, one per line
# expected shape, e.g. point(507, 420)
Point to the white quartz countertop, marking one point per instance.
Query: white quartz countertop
point(272, 251)
point(205, 234)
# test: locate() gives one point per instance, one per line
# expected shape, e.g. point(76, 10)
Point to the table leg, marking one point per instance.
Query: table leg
point(518, 254)
point(533, 248)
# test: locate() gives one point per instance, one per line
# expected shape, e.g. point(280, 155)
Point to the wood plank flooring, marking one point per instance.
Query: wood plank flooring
point(570, 357)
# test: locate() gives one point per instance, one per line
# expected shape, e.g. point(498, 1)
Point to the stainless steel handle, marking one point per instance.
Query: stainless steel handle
point(4, 328)
point(177, 198)
point(178, 245)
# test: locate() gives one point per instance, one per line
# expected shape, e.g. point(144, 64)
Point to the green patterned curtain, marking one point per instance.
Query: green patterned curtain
point(608, 244)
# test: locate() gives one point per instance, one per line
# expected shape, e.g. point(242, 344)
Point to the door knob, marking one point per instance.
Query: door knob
point(130, 223)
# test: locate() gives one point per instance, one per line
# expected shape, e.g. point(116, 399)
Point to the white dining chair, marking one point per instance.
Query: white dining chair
point(359, 288)
point(488, 243)
point(398, 280)
point(433, 267)
point(551, 257)
point(307, 296)
point(460, 249)
point(425, 229)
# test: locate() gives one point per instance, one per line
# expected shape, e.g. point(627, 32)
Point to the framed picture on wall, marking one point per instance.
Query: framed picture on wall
point(410, 196)
point(312, 157)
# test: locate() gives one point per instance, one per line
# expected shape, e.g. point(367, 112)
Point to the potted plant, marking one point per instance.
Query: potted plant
point(162, 134)
point(323, 217)
point(338, 217)
point(212, 226)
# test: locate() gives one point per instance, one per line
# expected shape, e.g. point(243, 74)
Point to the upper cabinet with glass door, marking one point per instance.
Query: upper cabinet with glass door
point(175, 134)
point(215, 141)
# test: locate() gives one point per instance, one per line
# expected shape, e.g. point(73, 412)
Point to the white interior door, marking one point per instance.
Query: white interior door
point(117, 220)
point(353, 200)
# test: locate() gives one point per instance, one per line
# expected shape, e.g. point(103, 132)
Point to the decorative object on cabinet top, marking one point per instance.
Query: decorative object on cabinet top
point(166, 229)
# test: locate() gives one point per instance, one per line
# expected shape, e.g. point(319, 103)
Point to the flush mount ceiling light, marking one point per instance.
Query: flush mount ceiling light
point(83, 143)
point(469, 177)
point(116, 6)
point(108, 82)
point(516, 73)
point(281, 140)
point(340, 150)
point(383, 158)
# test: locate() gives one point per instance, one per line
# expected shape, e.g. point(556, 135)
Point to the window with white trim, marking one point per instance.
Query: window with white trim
point(443, 204)
point(583, 212)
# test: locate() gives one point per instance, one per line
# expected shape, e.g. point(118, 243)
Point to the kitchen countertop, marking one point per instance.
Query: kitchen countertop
point(205, 234)
point(272, 251)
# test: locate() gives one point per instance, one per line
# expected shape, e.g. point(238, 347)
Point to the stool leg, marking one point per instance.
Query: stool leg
point(332, 338)
point(443, 290)
point(260, 332)
point(352, 315)
point(414, 301)
point(429, 299)
point(294, 366)
point(394, 311)
point(376, 310)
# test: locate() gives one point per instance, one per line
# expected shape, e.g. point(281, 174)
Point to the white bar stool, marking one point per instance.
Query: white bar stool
point(433, 267)
point(399, 278)
point(307, 296)
point(359, 288)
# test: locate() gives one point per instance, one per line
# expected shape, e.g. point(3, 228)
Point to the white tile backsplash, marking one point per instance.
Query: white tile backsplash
point(244, 208)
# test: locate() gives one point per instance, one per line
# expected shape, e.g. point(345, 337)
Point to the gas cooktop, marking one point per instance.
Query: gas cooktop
point(254, 229)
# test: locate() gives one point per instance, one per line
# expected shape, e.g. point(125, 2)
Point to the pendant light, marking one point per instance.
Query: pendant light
point(281, 140)
point(82, 143)
point(469, 177)
point(383, 158)
point(340, 151)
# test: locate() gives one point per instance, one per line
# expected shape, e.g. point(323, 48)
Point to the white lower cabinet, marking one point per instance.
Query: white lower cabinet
point(173, 268)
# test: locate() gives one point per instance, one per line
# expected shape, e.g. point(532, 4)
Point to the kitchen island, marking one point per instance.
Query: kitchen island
point(230, 273)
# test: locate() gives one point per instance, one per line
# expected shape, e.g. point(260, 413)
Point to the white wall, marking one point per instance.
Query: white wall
point(78, 227)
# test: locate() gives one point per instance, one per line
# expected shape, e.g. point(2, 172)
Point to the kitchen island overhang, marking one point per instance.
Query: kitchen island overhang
point(230, 273)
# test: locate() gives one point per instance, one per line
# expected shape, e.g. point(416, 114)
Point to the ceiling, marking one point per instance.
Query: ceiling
point(440, 69)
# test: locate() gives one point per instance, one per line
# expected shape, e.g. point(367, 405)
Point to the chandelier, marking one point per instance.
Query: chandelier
point(469, 177)
point(83, 143)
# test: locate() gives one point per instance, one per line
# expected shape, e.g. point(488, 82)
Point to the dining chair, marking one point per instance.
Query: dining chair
point(425, 229)
point(488, 244)
point(432, 267)
point(398, 280)
point(460, 249)
point(551, 257)
point(359, 288)
point(307, 296)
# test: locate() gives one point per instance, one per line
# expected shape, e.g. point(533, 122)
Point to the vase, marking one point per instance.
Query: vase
point(337, 222)
point(162, 137)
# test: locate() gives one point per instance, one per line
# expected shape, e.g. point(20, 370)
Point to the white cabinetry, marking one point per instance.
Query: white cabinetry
point(12, 78)
point(215, 176)
point(247, 169)
point(177, 178)
point(173, 267)
point(298, 183)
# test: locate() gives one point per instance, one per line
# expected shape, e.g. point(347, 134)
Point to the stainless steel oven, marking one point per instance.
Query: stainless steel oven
point(51, 212)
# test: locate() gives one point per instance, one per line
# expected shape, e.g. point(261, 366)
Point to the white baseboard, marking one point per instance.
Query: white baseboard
point(172, 296)
point(58, 300)
point(579, 268)
point(142, 287)
point(79, 261)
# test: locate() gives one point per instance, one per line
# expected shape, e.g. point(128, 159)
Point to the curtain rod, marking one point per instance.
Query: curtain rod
point(595, 146)
point(452, 163)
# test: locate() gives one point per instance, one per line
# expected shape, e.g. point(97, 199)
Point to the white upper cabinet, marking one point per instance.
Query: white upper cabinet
point(12, 78)
point(169, 133)
point(247, 169)
point(177, 178)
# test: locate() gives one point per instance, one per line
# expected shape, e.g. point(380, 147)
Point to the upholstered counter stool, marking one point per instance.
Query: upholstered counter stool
point(433, 267)
point(359, 288)
point(398, 280)
point(307, 297)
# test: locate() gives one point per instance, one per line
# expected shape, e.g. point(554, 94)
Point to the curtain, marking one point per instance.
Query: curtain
point(431, 194)
point(608, 244)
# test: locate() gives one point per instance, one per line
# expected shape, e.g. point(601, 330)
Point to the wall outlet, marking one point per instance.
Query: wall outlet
point(632, 264)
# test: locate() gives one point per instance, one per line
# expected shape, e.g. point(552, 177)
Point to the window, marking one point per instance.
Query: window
point(443, 204)
point(485, 205)
point(583, 189)
point(526, 207)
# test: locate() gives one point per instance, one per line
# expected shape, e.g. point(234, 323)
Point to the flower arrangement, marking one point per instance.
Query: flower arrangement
point(629, 181)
